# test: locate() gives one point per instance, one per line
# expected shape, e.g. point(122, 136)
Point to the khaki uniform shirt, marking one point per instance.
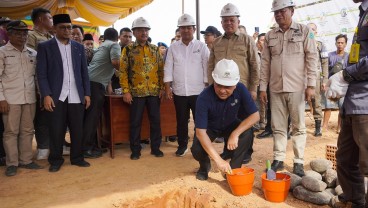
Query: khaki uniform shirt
point(322, 61)
point(35, 37)
point(17, 74)
point(289, 59)
point(242, 49)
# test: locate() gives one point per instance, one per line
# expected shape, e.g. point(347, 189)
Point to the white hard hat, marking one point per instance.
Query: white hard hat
point(280, 4)
point(140, 22)
point(226, 73)
point(229, 10)
point(186, 20)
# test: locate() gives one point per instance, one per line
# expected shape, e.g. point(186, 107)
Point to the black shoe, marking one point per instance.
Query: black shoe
point(181, 151)
point(298, 169)
point(92, 154)
point(135, 156)
point(101, 150)
point(277, 165)
point(54, 168)
point(202, 173)
point(157, 153)
point(82, 163)
point(173, 138)
point(32, 166)
point(2, 161)
point(225, 155)
point(264, 134)
point(11, 170)
point(318, 130)
point(246, 161)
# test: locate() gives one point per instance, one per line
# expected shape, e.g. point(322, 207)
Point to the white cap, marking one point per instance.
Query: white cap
point(280, 4)
point(226, 73)
point(186, 20)
point(140, 22)
point(229, 10)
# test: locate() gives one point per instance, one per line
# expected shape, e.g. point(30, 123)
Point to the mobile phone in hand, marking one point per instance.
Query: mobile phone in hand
point(256, 29)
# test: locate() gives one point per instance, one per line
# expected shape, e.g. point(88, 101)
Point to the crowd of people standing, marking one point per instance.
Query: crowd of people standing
point(54, 81)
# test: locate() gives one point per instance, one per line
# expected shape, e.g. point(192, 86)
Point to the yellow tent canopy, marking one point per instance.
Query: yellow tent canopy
point(97, 12)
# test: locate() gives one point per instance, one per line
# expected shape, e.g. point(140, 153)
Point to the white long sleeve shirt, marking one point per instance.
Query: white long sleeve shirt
point(69, 89)
point(186, 67)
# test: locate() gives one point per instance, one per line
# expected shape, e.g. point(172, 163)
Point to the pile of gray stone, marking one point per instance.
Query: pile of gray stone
point(319, 185)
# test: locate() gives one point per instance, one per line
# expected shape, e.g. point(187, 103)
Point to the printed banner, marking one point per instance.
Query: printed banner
point(332, 17)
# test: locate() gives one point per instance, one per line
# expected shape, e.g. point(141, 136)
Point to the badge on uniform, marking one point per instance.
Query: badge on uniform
point(354, 53)
point(311, 35)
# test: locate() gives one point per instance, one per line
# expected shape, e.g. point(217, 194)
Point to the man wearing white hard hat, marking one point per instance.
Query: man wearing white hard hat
point(217, 116)
point(185, 76)
point(141, 79)
point(242, 49)
point(288, 66)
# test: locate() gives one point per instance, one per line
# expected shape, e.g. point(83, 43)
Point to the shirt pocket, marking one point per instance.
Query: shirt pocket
point(220, 52)
point(12, 68)
point(31, 65)
point(240, 51)
point(274, 46)
point(295, 45)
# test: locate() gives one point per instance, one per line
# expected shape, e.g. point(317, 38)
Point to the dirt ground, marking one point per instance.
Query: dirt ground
point(150, 182)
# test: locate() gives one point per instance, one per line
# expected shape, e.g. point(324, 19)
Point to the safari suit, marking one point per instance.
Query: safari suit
point(322, 73)
point(288, 60)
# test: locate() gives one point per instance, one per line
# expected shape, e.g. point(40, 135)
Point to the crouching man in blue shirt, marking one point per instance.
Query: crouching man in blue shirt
point(216, 116)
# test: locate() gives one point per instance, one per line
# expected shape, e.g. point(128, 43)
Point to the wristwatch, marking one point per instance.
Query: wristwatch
point(347, 77)
point(311, 87)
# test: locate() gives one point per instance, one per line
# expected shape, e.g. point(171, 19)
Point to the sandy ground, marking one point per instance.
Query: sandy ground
point(150, 182)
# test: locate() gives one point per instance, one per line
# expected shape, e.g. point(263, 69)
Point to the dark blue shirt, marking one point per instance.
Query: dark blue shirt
point(216, 114)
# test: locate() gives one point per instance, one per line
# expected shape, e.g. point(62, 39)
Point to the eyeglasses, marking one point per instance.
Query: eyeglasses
point(64, 27)
point(20, 34)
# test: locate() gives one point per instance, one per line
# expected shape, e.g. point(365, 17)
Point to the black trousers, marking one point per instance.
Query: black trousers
point(352, 158)
point(92, 116)
point(237, 155)
point(183, 105)
point(41, 126)
point(2, 151)
point(248, 154)
point(64, 115)
point(136, 114)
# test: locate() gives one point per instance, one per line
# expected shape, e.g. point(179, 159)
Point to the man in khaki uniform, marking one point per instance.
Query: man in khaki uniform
point(322, 64)
point(289, 59)
point(42, 21)
point(240, 48)
point(17, 98)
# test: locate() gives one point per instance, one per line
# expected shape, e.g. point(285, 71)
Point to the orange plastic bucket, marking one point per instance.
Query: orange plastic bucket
point(241, 181)
point(276, 190)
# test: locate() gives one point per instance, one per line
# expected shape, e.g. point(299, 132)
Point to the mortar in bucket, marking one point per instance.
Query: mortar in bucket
point(276, 190)
point(241, 181)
